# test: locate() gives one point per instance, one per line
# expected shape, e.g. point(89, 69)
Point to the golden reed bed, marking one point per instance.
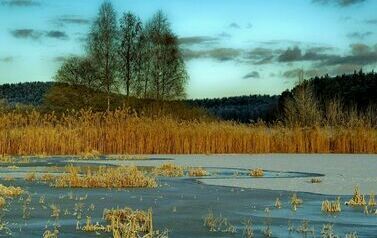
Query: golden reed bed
point(119, 132)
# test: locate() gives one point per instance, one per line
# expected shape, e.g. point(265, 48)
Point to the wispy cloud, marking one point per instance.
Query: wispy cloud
point(359, 35)
point(26, 34)
point(234, 25)
point(36, 34)
point(253, 74)
point(57, 35)
point(71, 19)
point(7, 59)
point(197, 40)
point(342, 3)
point(20, 3)
point(219, 54)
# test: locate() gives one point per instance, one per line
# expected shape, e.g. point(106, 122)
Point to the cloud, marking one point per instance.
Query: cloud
point(224, 35)
point(197, 40)
point(71, 19)
point(341, 3)
point(220, 54)
point(371, 21)
point(20, 3)
point(7, 59)
point(234, 25)
point(311, 54)
point(261, 55)
point(291, 54)
point(26, 34)
point(56, 34)
point(249, 26)
point(36, 35)
point(359, 35)
point(253, 74)
point(361, 54)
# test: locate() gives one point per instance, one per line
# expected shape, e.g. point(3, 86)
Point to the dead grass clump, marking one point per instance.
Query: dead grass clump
point(372, 201)
point(315, 180)
point(2, 202)
point(6, 159)
point(30, 177)
point(10, 191)
point(295, 201)
point(277, 203)
point(328, 231)
point(51, 234)
point(248, 231)
point(258, 172)
point(357, 199)
point(89, 155)
point(218, 224)
point(168, 170)
point(47, 177)
point(126, 223)
point(198, 172)
point(352, 235)
point(331, 206)
point(105, 177)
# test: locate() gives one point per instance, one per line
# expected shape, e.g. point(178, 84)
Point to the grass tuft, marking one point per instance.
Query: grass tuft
point(105, 177)
point(168, 170)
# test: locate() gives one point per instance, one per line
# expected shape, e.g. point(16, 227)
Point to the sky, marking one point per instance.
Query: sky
point(231, 47)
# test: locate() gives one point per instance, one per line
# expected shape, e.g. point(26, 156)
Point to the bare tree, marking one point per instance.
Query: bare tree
point(166, 67)
point(130, 31)
point(102, 45)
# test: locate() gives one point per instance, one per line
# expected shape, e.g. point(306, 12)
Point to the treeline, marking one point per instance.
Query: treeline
point(243, 109)
point(347, 100)
point(28, 93)
point(130, 57)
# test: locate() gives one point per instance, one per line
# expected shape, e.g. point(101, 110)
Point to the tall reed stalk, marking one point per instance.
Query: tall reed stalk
point(119, 132)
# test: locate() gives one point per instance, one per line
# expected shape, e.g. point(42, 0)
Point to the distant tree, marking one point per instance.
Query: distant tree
point(302, 108)
point(102, 45)
point(130, 31)
point(78, 71)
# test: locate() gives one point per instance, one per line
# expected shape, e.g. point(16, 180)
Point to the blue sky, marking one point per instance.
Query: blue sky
point(231, 47)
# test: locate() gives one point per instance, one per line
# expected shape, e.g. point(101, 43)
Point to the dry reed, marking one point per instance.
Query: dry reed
point(331, 206)
point(105, 177)
point(10, 191)
point(258, 172)
point(168, 170)
point(117, 132)
point(357, 199)
point(197, 172)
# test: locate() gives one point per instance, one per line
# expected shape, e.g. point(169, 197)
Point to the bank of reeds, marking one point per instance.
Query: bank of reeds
point(119, 132)
point(105, 177)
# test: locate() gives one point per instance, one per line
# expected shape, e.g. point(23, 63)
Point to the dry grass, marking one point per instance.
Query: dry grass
point(197, 172)
point(295, 201)
point(277, 203)
point(218, 224)
point(126, 223)
point(258, 172)
point(10, 191)
point(315, 180)
point(372, 201)
point(168, 170)
point(357, 199)
point(105, 177)
point(117, 132)
point(2, 202)
point(331, 206)
point(30, 177)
